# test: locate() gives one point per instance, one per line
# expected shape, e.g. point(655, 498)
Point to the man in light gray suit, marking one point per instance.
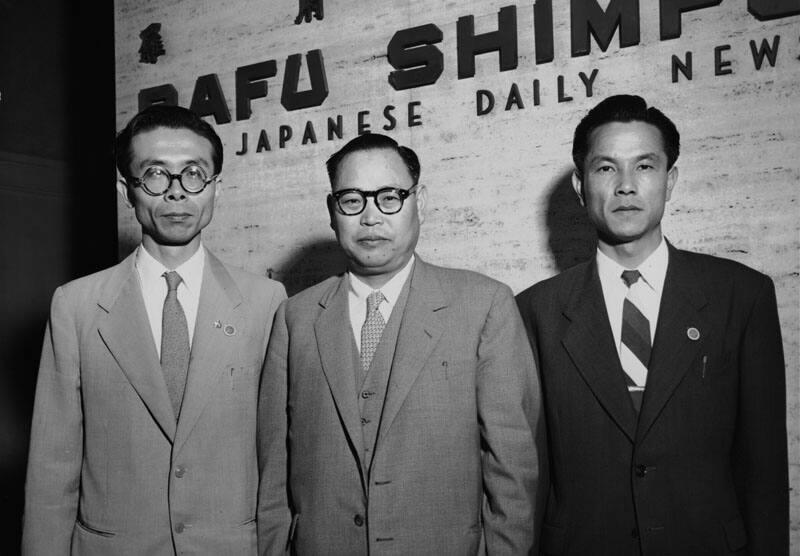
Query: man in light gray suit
point(144, 428)
point(398, 400)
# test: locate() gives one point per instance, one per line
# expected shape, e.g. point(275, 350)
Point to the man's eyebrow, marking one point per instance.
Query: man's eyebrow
point(611, 158)
point(161, 162)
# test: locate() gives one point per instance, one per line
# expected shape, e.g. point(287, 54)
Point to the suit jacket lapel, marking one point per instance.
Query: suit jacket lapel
point(590, 344)
point(420, 331)
point(218, 323)
point(125, 330)
point(334, 337)
point(673, 350)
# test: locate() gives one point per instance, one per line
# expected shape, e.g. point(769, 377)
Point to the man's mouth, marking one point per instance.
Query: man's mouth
point(176, 216)
point(372, 239)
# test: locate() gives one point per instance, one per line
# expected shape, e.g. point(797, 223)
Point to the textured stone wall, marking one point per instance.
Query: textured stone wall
point(499, 196)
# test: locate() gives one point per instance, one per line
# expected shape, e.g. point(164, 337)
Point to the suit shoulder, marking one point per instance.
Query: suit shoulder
point(461, 279)
point(255, 281)
point(84, 286)
point(312, 294)
point(717, 269)
point(550, 288)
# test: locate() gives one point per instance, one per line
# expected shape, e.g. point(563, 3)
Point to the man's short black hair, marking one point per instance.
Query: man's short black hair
point(624, 108)
point(172, 117)
point(373, 141)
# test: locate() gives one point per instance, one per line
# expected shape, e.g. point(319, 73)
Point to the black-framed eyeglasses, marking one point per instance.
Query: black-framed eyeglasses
point(389, 200)
point(156, 180)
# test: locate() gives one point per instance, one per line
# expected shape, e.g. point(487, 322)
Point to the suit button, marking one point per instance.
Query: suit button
point(358, 519)
point(364, 421)
point(179, 528)
point(366, 394)
point(180, 471)
point(641, 470)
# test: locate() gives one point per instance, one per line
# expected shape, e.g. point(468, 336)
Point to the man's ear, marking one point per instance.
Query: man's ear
point(122, 189)
point(577, 185)
point(672, 179)
point(217, 189)
point(422, 201)
point(331, 211)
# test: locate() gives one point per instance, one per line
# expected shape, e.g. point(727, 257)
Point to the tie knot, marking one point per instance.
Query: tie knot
point(374, 300)
point(630, 277)
point(173, 280)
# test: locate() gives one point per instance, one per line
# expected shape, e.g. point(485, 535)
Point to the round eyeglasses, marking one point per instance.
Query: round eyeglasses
point(389, 200)
point(156, 180)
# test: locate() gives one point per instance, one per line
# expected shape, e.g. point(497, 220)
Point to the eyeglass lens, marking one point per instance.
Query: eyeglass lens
point(388, 200)
point(157, 180)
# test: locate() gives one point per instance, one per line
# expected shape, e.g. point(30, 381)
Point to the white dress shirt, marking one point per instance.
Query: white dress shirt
point(358, 291)
point(653, 272)
point(154, 289)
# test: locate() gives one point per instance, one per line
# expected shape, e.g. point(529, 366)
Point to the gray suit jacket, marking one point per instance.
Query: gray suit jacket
point(110, 471)
point(454, 460)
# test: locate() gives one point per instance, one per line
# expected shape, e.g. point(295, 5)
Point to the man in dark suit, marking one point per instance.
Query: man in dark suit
point(144, 427)
point(397, 399)
point(662, 370)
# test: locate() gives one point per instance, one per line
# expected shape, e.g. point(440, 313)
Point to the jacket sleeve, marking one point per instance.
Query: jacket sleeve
point(760, 453)
point(56, 446)
point(508, 406)
point(274, 516)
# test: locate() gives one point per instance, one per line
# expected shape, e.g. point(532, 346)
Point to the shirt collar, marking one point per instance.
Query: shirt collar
point(653, 270)
point(191, 271)
point(390, 290)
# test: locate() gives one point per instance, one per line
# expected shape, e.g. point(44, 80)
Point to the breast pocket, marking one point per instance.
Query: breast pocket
point(444, 369)
point(242, 384)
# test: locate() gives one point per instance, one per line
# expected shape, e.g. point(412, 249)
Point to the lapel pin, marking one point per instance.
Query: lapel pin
point(217, 324)
point(693, 333)
point(229, 330)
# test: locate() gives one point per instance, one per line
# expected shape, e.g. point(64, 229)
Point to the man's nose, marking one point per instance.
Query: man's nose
point(626, 184)
point(175, 191)
point(371, 215)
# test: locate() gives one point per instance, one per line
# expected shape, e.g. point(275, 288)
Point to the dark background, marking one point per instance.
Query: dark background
point(57, 196)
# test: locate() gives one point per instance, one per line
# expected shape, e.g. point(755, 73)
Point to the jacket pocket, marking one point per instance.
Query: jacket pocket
point(553, 539)
point(735, 533)
point(94, 531)
point(292, 531)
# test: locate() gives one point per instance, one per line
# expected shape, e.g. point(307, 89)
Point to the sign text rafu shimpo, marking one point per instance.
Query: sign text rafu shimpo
point(417, 61)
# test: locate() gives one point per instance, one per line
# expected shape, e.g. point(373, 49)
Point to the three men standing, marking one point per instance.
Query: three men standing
point(398, 400)
point(398, 403)
point(662, 370)
point(144, 431)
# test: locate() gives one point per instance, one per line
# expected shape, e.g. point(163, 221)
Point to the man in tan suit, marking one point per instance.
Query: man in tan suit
point(144, 429)
point(397, 402)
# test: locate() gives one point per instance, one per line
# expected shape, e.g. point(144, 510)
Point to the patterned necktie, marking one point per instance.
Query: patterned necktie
point(174, 342)
point(371, 330)
point(635, 348)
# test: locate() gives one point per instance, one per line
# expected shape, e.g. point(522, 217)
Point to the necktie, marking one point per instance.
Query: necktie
point(635, 348)
point(174, 342)
point(371, 330)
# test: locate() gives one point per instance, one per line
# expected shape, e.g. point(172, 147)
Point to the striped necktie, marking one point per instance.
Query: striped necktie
point(371, 330)
point(635, 347)
point(174, 342)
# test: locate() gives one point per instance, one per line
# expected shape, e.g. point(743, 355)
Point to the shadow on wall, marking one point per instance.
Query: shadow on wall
point(571, 237)
point(310, 265)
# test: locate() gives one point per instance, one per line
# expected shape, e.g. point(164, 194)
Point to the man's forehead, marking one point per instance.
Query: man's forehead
point(637, 135)
point(163, 141)
point(381, 162)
